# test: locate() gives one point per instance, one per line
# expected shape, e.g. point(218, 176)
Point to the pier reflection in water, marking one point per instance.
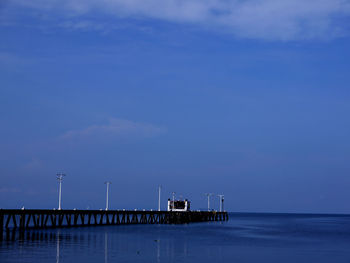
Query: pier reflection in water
point(103, 244)
point(58, 246)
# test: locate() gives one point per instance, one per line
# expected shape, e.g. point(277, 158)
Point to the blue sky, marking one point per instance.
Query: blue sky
point(245, 98)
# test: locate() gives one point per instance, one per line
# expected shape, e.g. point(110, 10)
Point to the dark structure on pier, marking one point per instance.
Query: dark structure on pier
point(35, 219)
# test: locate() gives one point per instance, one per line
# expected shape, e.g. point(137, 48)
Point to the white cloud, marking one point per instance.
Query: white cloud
point(116, 128)
point(261, 19)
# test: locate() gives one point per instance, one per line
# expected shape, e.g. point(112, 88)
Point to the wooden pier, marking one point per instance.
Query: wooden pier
point(41, 219)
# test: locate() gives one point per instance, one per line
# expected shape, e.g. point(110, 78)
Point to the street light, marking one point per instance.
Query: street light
point(107, 183)
point(221, 201)
point(159, 189)
point(173, 200)
point(208, 195)
point(60, 179)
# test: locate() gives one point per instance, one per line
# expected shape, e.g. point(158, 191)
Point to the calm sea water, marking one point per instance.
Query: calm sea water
point(244, 238)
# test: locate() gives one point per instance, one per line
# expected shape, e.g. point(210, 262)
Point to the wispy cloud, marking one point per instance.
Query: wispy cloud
point(86, 25)
point(10, 59)
point(116, 128)
point(33, 164)
point(261, 19)
point(6, 190)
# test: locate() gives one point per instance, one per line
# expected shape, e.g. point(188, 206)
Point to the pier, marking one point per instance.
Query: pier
point(18, 219)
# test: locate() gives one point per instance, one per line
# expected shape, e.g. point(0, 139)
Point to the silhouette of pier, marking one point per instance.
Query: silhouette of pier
point(41, 218)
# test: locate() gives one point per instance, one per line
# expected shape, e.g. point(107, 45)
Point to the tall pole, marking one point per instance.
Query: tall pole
point(60, 179)
point(221, 200)
point(159, 189)
point(173, 200)
point(107, 183)
point(208, 202)
point(208, 195)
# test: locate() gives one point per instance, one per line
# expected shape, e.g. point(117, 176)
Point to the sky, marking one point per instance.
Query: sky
point(246, 98)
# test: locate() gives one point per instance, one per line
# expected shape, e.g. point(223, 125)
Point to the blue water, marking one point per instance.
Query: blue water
point(244, 238)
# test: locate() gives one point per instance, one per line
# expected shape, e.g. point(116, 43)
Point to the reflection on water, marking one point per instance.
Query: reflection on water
point(132, 242)
point(245, 238)
point(158, 249)
point(106, 247)
point(58, 247)
point(124, 243)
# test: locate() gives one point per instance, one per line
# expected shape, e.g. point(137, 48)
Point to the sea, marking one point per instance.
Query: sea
point(246, 237)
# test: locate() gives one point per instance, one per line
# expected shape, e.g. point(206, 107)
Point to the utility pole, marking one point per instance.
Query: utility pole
point(107, 183)
point(60, 179)
point(208, 195)
point(159, 189)
point(221, 201)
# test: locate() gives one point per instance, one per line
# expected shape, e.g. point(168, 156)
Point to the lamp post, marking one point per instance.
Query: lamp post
point(60, 179)
point(208, 195)
point(107, 183)
point(159, 189)
point(221, 201)
point(173, 201)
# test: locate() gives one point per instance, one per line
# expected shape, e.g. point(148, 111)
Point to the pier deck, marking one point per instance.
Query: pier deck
point(42, 218)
